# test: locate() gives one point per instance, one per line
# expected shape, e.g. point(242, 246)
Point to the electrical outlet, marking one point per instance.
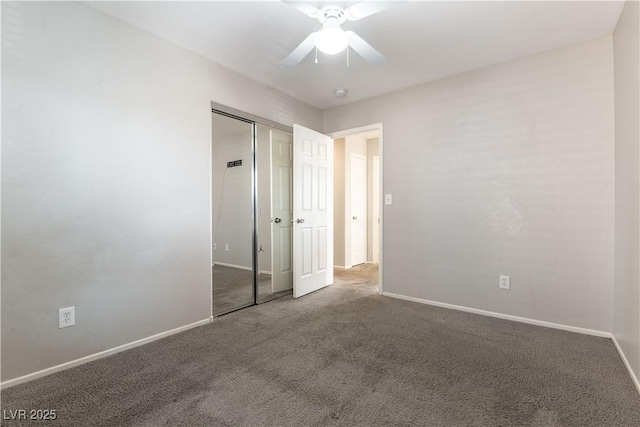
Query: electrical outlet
point(226, 247)
point(66, 317)
point(505, 282)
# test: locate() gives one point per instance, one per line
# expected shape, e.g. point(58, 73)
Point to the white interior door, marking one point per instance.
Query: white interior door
point(358, 185)
point(281, 211)
point(375, 209)
point(313, 211)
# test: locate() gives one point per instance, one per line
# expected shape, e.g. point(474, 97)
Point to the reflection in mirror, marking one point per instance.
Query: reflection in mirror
point(232, 216)
point(275, 212)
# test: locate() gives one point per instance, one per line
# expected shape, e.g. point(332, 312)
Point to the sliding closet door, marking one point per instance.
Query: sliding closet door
point(232, 217)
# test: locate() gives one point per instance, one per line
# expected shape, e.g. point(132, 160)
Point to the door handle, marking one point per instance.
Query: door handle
point(277, 220)
point(300, 221)
point(355, 217)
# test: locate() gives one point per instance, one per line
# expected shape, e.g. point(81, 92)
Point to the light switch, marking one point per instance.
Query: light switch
point(387, 199)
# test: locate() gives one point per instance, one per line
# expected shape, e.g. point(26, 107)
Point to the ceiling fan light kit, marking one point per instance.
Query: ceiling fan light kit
point(332, 39)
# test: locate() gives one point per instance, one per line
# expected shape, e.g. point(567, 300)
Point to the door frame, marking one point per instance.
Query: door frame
point(352, 131)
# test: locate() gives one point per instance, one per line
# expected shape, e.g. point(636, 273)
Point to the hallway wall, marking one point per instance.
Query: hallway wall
point(626, 322)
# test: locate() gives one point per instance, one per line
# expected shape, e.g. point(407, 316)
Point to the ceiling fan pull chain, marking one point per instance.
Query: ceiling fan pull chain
point(316, 55)
point(347, 56)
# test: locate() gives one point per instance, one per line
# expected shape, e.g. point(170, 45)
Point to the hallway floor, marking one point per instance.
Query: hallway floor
point(361, 275)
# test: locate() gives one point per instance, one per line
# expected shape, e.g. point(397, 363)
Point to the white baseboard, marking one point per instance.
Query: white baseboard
point(100, 355)
point(626, 363)
point(264, 272)
point(503, 316)
point(341, 267)
point(239, 267)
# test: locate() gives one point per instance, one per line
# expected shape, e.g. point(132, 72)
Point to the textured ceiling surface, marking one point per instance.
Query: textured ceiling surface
point(422, 40)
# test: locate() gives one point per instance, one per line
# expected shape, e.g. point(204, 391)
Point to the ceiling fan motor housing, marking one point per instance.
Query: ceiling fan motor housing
point(332, 15)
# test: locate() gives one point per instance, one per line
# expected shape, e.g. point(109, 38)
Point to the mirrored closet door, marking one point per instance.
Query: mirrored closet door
point(251, 213)
point(275, 212)
point(232, 216)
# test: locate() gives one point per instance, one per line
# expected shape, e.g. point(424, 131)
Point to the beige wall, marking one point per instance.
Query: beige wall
point(373, 149)
point(504, 170)
point(338, 202)
point(106, 175)
point(626, 325)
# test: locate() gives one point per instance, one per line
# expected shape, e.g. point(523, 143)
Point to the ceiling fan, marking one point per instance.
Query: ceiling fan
point(331, 38)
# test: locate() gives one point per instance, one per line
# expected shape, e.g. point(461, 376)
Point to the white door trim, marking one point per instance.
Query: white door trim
point(361, 129)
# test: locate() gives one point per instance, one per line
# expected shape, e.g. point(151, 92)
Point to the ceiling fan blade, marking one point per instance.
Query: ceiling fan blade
point(364, 9)
point(303, 7)
point(301, 51)
point(364, 49)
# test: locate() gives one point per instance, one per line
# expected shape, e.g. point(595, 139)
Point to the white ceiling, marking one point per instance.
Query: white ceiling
point(422, 40)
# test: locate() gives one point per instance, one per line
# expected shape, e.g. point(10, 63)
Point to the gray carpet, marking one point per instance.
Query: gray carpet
point(347, 356)
point(233, 289)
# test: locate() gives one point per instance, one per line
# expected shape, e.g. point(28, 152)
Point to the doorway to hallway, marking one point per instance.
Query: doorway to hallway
point(363, 275)
point(357, 197)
